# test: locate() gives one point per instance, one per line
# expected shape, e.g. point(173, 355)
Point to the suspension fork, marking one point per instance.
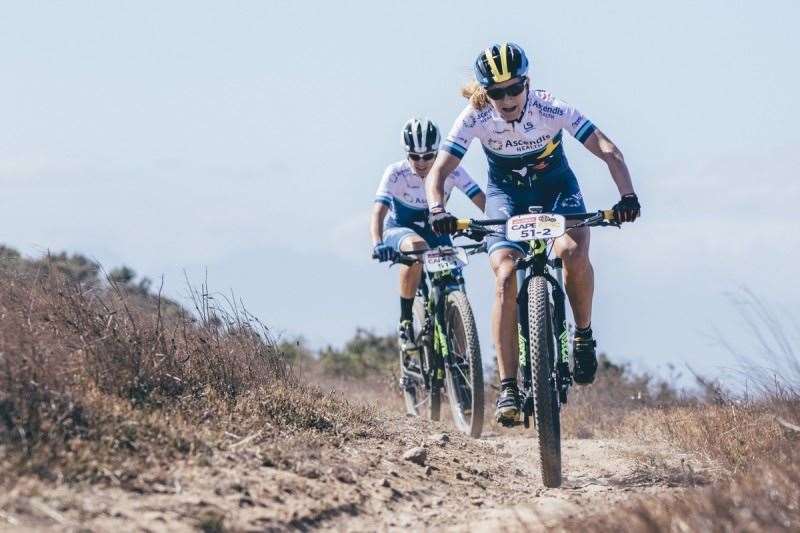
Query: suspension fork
point(522, 327)
point(441, 349)
point(563, 375)
point(526, 271)
point(424, 292)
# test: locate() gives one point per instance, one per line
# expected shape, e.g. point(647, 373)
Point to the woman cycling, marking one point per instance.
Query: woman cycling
point(520, 129)
point(401, 194)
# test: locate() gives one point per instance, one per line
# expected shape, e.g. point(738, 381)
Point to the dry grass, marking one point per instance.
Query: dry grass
point(757, 460)
point(757, 477)
point(733, 435)
point(766, 499)
point(99, 382)
point(598, 410)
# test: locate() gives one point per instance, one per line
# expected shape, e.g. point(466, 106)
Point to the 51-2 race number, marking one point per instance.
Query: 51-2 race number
point(523, 228)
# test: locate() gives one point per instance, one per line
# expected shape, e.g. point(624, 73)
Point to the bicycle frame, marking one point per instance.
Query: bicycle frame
point(432, 372)
point(441, 284)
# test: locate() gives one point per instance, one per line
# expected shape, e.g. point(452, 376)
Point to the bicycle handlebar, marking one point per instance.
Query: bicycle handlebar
point(605, 215)
point(411, 257)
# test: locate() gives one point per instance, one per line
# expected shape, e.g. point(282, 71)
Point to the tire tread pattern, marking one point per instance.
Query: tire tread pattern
point(473, 354)
point(544, 396)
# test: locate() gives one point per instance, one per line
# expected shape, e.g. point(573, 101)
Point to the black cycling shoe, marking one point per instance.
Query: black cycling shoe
point(585, 359)
point(508, 407)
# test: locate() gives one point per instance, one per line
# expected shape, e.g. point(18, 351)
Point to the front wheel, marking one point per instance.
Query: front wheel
point(463, 369)
point(545, 395)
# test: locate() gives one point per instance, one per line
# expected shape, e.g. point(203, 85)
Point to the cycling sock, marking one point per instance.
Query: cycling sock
point(405, 308)
point(584, 333)
point(508, 383)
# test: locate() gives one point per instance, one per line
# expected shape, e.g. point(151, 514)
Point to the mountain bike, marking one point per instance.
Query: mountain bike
point(544, 349)
point(448, 355)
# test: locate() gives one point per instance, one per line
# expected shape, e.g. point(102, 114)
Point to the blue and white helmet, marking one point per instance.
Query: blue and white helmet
point(421, 136)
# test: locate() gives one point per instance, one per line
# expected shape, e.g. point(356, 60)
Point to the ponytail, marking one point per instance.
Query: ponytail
point(476, 95)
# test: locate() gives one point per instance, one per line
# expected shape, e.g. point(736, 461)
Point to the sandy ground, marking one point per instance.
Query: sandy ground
point(462, 484)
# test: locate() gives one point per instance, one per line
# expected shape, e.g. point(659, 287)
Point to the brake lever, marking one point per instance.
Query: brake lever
point(478, 250)
point(596, 221)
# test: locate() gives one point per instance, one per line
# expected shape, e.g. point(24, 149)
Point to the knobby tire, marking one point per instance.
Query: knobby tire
point(548, 423)
point(463, 336)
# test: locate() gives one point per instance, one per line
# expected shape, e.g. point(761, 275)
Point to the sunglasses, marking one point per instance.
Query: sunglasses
point(424, 157)
point(512, 90)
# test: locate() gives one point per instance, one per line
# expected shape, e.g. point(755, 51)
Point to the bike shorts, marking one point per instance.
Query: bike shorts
point(395, 235)
point(555, 192)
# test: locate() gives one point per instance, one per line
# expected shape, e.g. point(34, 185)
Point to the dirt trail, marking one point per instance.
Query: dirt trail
point(365, 485)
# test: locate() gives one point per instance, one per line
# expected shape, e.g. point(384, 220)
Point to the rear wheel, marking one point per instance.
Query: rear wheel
point(545, 395)
point(464, 376)
point(419, 399)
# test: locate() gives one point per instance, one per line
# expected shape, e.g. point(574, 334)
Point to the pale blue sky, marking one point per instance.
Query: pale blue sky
point(248, 139)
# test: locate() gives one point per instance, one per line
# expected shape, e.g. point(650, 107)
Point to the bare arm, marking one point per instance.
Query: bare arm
point(602, 147)
point(444, 165)
point(376, 222)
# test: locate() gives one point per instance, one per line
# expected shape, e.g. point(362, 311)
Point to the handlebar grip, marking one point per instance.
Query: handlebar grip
point(608, 215)
point(463, 223)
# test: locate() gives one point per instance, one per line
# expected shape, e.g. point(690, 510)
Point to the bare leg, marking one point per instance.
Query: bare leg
point(504, 311)
point(573, 248)
point(410, 275)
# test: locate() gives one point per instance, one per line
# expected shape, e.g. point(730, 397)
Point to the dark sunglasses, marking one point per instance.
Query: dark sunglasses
point(424, 157)
point(511, 90)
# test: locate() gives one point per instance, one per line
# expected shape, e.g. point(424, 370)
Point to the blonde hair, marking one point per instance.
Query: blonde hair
point(476, 95)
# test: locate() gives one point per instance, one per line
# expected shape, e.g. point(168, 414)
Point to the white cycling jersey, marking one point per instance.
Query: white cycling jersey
point(404, 192)
point(526, 147)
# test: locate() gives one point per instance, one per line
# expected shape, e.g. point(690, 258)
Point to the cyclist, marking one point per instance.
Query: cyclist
point(520, 129)
point(401, 194)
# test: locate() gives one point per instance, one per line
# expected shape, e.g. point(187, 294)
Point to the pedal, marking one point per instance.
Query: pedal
point(510, 422)
point(406, 383)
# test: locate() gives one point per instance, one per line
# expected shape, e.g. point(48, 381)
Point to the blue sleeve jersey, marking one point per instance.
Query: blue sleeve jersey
point(527, 147)
point(403, 192)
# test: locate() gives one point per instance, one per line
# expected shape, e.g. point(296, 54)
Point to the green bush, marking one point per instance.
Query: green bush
point(365, 354)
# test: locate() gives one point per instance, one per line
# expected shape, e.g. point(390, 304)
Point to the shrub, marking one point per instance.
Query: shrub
point(94, 375)
point(365, 354)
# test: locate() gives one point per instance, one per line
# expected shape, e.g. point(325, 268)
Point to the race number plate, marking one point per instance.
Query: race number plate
point(523, 228)
point(444, 258)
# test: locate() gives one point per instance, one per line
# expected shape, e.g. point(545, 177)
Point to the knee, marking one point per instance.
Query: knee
point(575, 253)
point(413, 244)
point(505, 281)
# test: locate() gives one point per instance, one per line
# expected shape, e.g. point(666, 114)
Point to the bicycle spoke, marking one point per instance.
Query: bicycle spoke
point(466, 382)
point(460, 357)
